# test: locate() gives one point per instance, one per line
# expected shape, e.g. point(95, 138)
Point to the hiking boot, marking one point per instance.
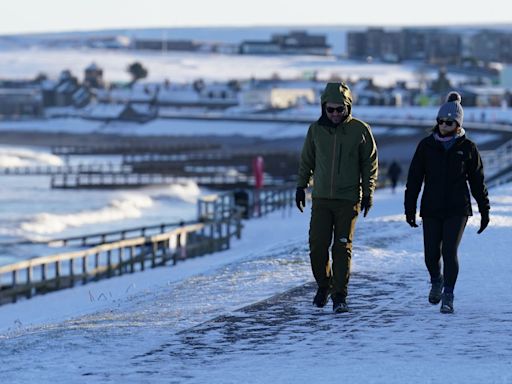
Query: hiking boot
point(447, 304)
point(321, 297)
point(436, 291)
point(339, 304)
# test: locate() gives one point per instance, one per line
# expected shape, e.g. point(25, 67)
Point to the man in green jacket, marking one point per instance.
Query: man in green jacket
point(340, 156)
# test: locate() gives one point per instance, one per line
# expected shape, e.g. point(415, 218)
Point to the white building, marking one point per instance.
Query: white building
point(277, 97)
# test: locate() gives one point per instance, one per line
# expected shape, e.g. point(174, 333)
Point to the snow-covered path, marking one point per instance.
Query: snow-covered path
point(245, 315)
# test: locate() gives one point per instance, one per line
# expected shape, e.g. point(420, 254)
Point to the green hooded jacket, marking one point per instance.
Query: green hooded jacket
point(342, 159)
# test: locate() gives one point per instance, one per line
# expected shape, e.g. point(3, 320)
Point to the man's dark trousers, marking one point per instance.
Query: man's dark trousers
point(328, 217)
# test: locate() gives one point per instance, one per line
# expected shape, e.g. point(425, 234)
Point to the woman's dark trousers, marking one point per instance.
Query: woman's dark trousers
point(441, 237)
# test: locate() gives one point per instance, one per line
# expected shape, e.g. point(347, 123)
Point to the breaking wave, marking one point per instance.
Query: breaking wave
point(18, 157)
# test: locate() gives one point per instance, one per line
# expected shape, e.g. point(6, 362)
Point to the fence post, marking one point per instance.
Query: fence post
point(178, 249)
point(142, 257)
point(238, 219)
point(120, 260)
point(29, 282)
point(154, 250)
point(131, 253)
point(109, 263)
point(96, 265)
point(228, 232)
point(84, 269)
point(57, 274)
point(71, 273)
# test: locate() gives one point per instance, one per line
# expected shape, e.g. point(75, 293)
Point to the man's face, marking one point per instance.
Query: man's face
point(335, 112)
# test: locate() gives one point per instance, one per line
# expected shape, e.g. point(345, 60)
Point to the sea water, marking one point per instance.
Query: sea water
point(30, 210)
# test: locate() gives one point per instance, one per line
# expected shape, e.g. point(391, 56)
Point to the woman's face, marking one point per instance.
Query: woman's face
point(447, 126)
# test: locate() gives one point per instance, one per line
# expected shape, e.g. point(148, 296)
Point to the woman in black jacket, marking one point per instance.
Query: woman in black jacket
point(445, 162)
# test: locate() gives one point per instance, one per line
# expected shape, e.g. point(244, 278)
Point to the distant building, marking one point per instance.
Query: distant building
point(20, 102)
point(82, 97)
point(294, 43)
point(131, 112)
point(506, 77)
point(93, 76)
point(219, 92)
point(300, 42)
point(482, 96)
point(166, 45)
point(375, 43)
point(109, 42)
point(65, 92)
point(259, 48)
point(211, 96)
point(278, 95)
point(435, 46)
point(414, 44)
point(139, 113)
point(491, 46)
point(443, 48)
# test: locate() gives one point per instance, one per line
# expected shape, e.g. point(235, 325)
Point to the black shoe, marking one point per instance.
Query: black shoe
point(321, 297)
point(339, 304)
point(434, 297)
point(447, 304)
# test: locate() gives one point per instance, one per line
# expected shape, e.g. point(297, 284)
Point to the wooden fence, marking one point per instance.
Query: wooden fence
point(219, 219)
point(127, 180)
point(110, 168)
point(45, 274)
point(133, 147)
point(94, 239)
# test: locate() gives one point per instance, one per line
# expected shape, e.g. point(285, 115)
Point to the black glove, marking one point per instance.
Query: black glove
point(300, 198)
point(411, 219)
point(484, 221)
point(366, 204)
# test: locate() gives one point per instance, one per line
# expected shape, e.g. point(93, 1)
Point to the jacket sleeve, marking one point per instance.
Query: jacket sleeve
point(307, 160)
point(369, 162)
point(415, 179)
point(476, 180)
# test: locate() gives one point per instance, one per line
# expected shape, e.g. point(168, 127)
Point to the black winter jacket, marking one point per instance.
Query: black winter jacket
point(446, 174)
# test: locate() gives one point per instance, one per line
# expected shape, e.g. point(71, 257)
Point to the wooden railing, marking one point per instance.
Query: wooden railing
point(133, 147)
point(116, 180)
point(110, 168)
point(219, 220)
point(93, 239)
point(45, 274)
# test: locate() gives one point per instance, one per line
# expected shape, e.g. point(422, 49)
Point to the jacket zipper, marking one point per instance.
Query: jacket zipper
point(333, 165)
point(339, 159)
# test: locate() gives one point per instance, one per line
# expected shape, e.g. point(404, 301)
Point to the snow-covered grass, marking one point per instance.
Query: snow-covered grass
point(182, 323)
point(181, 67)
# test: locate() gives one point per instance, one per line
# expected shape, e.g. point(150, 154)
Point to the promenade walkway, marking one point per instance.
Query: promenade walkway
point(245, 315)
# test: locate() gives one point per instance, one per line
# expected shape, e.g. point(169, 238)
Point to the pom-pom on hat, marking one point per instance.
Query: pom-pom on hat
point(452, 109)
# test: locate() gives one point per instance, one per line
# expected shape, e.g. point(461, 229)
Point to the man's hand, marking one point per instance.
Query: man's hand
point(366, 204)
point(484, 221)
point(411, 219)
point(300, 198)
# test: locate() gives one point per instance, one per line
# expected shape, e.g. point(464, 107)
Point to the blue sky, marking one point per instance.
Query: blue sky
point(68, 15)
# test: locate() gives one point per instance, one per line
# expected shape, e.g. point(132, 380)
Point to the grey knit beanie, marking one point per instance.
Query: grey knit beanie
point(452, 108)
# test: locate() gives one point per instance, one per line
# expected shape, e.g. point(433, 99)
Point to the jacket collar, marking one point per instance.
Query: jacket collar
point(434, 143)
point(327, 123)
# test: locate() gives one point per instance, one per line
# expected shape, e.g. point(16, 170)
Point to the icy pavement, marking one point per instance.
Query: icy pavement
point(246, 315)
